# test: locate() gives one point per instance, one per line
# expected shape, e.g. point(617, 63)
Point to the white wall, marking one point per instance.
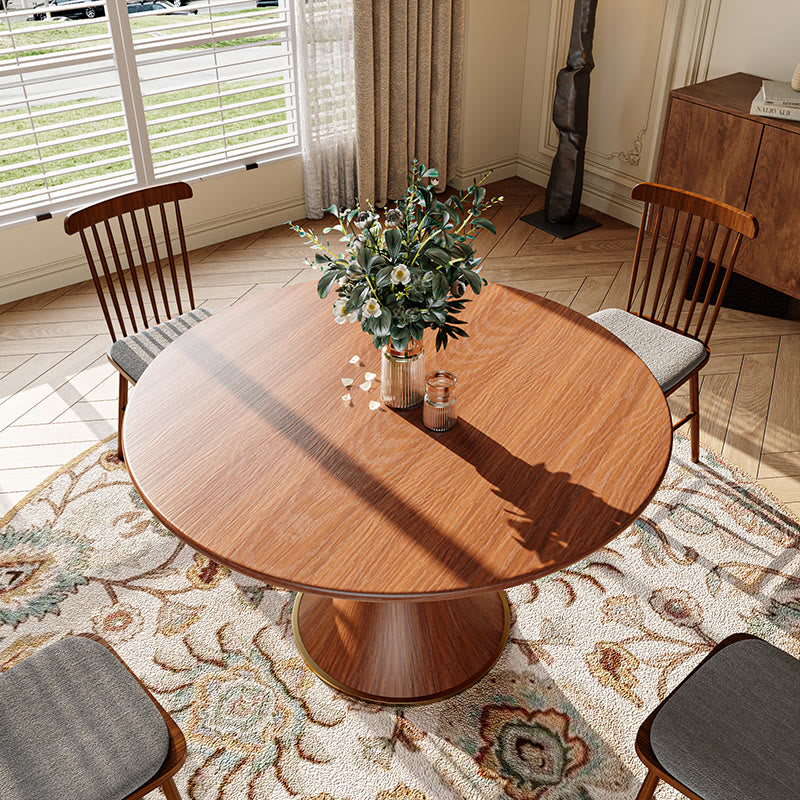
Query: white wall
point(38, 256)
point(494, 70)
point(514, 49)
point(761, 37)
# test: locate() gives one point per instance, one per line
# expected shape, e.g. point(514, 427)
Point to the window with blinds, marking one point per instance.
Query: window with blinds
point(101, 95)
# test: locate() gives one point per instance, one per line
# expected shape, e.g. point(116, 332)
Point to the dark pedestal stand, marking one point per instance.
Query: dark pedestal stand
point(571, 116)
point(563, 230)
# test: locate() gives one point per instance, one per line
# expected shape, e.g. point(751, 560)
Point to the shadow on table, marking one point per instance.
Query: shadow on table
point(546, 508)
point(551, 515)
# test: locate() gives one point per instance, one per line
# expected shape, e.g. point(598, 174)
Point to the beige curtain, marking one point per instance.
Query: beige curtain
point(327, 102)
point(409, 63)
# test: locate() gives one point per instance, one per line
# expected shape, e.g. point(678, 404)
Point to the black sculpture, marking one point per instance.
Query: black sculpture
point(571, 116)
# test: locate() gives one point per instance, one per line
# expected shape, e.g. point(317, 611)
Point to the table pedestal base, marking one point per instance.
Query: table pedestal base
point(398, 652)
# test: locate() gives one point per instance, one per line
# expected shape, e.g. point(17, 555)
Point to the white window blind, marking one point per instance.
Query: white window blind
point(136, 94)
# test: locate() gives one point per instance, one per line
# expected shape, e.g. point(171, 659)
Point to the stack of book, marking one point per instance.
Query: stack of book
point(776, 99)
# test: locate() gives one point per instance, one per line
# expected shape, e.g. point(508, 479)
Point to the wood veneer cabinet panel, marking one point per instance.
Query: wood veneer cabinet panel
point(775, 201)
point(709, 152)
point(712, 145)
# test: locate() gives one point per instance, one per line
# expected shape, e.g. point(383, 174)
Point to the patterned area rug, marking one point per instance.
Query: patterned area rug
point(593, 648)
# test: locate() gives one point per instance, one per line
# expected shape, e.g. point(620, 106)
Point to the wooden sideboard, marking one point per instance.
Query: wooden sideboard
point(712, 145)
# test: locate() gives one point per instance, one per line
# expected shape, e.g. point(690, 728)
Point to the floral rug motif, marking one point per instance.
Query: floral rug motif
point(592, 649)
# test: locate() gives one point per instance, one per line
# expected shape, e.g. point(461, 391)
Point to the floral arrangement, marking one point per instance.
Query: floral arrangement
point(409, 271)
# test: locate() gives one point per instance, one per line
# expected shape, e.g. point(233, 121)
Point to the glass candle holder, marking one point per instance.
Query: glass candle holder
point(439, 409)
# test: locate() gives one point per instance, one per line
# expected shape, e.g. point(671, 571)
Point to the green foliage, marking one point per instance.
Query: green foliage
point(409, 271)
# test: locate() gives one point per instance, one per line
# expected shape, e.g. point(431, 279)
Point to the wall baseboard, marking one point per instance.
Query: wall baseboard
point(66, 271)
point(613, 199)
point(505, 167)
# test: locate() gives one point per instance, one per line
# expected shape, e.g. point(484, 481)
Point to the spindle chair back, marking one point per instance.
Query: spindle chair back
point(685, 254)
point(136, 250)
point(709, 235)
point(135, 247)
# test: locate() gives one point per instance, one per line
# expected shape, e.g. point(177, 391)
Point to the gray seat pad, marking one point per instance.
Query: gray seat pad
point(134, 353)
point(76, 725)
point(670, 356)
point(730, 731)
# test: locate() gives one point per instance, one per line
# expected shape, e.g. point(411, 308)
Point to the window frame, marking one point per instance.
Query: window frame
point(123, 51)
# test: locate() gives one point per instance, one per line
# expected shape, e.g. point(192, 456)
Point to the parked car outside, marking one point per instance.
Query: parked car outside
point(159, 5)
point(266, 3)
point(65, 8)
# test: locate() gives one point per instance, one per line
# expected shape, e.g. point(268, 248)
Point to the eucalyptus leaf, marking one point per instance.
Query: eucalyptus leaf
point(383, 322)
point(440, 285)
point(394, 243)
point(475, 281)
point(326, 281)
point(384, 277)
point(437, 255)
point(482, 222)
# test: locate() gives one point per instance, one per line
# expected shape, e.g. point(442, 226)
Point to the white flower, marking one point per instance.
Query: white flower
point(401, 274)
point(357, 243)
point(372, 308)
point(393, 218)
point(339, 313)
point(365, 219)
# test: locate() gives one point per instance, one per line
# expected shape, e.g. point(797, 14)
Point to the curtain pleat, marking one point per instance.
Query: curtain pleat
point(326, 89)
point(408, 85)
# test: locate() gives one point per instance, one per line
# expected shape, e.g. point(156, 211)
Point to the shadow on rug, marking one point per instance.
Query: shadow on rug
point(593, 648)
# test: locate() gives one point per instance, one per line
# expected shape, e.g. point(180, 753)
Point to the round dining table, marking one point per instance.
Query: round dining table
point(258, 438)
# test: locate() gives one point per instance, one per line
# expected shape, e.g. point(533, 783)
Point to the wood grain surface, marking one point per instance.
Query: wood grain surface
point(772, 260)
point(732, 94)
point(401, 651)
point(696, 137)
point(563, 438)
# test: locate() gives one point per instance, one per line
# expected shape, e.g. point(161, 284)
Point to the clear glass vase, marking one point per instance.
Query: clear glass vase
point(439, 412)
point(403, 375)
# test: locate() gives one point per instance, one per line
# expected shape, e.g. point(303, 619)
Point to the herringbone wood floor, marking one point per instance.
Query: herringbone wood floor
point(58, 392)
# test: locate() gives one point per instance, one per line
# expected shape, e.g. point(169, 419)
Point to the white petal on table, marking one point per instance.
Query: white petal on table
point(370, 376)
point(374, 405)
point(355, 359)
point(347, 382)
point(346, 397)
point(366, 386)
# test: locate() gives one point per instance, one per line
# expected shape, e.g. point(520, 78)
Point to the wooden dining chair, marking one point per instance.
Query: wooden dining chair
point(140, 270)
point(76, 722)
point(674, 299)
point(730, 729)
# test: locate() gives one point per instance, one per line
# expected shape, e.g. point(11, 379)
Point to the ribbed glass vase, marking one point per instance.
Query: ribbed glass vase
point(403, 375)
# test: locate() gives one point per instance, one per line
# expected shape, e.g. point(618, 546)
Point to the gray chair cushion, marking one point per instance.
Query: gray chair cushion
point(670, 356)
point(134, 353)
point(731, 731)
point(76, 725)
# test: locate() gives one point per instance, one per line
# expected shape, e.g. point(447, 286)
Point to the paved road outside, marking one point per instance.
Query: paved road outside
point(197, 69)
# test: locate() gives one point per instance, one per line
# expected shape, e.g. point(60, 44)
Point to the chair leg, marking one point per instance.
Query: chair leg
point(694, 409)
point(648, 787)
point(123, 402)
point(170, 790)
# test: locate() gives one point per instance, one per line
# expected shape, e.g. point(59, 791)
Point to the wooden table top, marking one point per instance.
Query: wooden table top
point(238, 439)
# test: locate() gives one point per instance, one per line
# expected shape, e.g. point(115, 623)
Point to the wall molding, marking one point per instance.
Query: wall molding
point(682, 42)
point(73, 269)
point(503, 167)
point(609, 199)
